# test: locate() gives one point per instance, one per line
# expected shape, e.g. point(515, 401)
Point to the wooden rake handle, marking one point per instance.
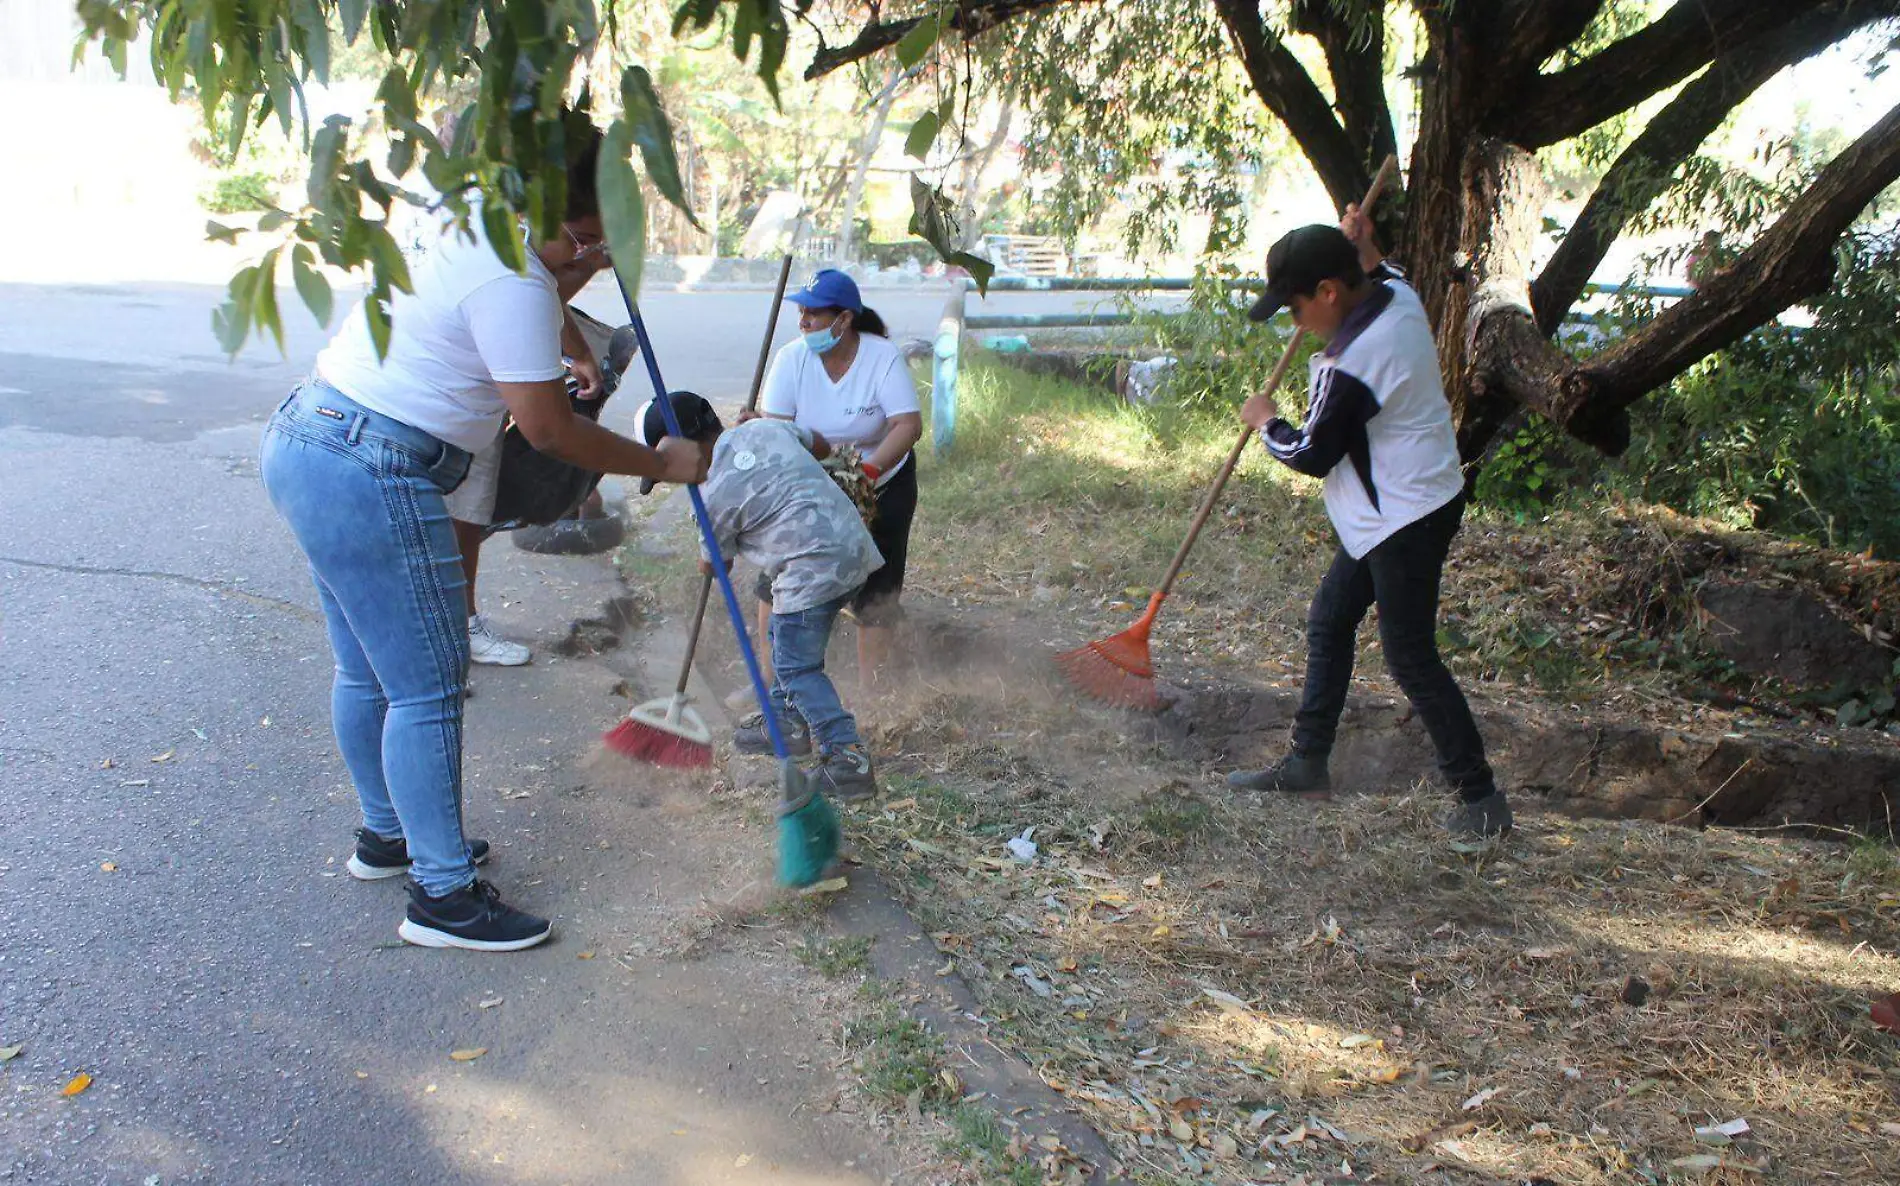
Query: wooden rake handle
point(751, 404)
point(1380, 180)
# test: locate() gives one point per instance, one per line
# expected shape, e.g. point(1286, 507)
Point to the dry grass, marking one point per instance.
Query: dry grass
point(1243, 990)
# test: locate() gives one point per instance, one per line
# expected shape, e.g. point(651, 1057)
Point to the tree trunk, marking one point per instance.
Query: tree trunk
point(867, 148)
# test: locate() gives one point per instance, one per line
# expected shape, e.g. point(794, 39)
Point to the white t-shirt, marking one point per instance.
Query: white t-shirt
point(853, 411)
point(470, 324)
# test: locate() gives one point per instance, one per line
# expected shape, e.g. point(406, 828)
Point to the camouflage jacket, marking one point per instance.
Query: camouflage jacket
point(772, 503)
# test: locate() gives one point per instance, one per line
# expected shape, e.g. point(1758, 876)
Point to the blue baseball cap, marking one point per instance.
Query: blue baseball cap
point(829, 289)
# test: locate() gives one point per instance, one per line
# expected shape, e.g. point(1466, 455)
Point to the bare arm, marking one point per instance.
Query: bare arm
point(545, 418)
point(901, 434)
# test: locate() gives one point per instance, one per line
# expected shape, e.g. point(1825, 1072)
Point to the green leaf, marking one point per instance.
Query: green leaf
point(623, 209)
point(923, 134)
point(216, 231)
point(231, 321)
point(980, 269)
point(376, 309)
point(392, 270)
point(311, 286)
point(264, 303)
point(916, 43)
point(352, 12)
point(273, 219)
point(932, 221)
point(647, 125)
point(503, 235)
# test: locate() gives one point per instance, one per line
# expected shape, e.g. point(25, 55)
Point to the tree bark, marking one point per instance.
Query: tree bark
point(968, 20)
point(1685, 38)
point(867, 148)
point(1791, 260)
point(1354, 41)
point(1646, 169)
point(1286, 89)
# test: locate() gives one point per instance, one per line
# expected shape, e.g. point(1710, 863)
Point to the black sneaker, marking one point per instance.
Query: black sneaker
point(376, 857)
point(751, 738)
point(848, 775)
point(1295, 774)
point(1481, 818)
point(474, 917)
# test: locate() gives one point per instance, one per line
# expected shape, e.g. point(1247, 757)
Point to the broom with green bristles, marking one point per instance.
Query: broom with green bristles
point(807, 826)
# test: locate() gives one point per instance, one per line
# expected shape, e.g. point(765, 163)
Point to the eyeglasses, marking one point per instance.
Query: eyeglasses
point(586, 247)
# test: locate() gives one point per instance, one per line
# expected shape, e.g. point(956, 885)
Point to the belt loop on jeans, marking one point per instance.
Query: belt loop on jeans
point(356, 428)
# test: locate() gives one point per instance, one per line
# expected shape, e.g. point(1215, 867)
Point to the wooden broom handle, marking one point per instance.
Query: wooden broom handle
point(751, 404)
point(1379, 181)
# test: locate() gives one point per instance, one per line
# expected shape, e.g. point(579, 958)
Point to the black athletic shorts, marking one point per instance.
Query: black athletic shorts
point(877, 603)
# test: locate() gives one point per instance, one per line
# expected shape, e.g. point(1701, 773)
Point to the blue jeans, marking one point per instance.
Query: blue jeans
point(799, 682)
point(363, 495)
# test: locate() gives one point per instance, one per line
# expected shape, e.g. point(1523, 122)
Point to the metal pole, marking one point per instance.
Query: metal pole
point(943, 389)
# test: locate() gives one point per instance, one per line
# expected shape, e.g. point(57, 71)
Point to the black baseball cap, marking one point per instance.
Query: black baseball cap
point(1300, 260)
point(698, 422)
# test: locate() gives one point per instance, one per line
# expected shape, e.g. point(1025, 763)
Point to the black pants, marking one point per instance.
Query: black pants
point(1401, 576)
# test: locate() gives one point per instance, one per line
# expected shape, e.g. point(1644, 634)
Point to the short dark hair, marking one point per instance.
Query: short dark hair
point(583, 158)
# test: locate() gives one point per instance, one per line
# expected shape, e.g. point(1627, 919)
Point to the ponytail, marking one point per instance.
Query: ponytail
point(866, 321)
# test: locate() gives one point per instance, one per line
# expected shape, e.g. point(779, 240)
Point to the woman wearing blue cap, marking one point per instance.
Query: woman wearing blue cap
point(845, 380)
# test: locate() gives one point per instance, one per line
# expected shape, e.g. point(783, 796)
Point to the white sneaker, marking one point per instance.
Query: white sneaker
point(485, 647)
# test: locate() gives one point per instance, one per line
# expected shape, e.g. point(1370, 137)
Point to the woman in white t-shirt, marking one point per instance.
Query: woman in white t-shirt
point(845, 380)
point(357, 461)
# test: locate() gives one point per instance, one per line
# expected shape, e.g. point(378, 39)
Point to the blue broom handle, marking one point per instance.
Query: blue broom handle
point(665, 400)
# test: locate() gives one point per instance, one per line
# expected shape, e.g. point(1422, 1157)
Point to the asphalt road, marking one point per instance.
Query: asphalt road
point(174, 920)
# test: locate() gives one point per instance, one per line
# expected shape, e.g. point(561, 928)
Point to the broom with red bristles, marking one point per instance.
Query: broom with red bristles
point(1118, 669)
point(669, 731)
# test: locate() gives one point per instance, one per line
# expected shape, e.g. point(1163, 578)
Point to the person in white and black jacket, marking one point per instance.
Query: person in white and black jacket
point(1378, 429)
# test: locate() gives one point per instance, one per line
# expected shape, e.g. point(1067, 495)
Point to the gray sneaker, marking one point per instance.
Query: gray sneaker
point(848, 775)
point(1489, 816)
point(751, 738)
point(1295, 774)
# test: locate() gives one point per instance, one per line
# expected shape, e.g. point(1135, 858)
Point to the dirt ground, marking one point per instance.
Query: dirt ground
point(1242, 989)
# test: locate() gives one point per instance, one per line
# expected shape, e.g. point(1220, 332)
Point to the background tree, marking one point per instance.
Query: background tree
point(1498, 82)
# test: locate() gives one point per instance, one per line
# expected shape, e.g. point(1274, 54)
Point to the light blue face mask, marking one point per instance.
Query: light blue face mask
point(822, 340)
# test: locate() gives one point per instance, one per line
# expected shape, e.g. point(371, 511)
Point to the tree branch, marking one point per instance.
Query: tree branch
point(1352, 33)
point(1688, 36)
point(1289, 92)
point(1538, 29)
point(1793, 259)
point(1647, 167)
point(969, 20)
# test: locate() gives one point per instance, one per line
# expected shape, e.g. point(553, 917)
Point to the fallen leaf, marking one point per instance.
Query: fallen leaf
point(1152, 882)
point(107, 763)
point(9, 1053)
point(429, 1090)
point(742, 1161)
point(1065, 964)
point(1481, 1099)
point(1180, 1129)
point(1161, 932)
point(1355, 1041)
point(469, 1055)
point(1050, 1144)
point(583, 955)
point(951, 1083)
point(1224, 1146)
point(362, 1074)
point(490, 1003)
point(1228, 1002)
point(108, 867)
point(901, 805)
point(831, 885)
point(76, 1084)
point(164, 757)
point(135, 782)
point(1384, 1075)
point(1697, 1161)
point(1543, 953)
point(1886, 1126)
